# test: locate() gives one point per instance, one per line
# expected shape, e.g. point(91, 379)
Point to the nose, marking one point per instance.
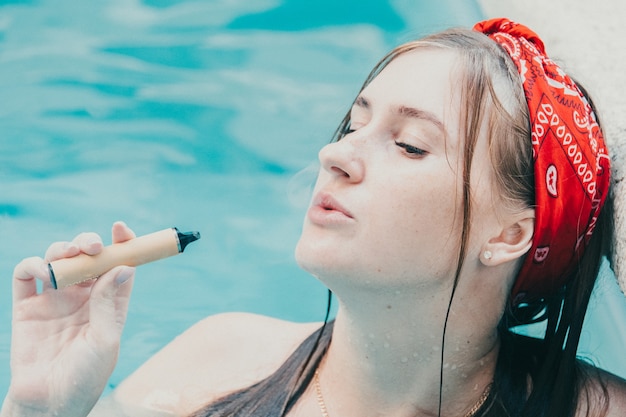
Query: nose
point(341, 160)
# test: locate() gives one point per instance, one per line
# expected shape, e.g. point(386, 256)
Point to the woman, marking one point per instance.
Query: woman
point(455, 203)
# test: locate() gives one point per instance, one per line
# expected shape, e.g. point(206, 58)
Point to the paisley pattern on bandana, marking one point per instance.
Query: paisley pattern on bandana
point(571, 163)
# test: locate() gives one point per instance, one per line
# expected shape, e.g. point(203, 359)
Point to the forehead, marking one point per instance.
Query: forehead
point(425, 78)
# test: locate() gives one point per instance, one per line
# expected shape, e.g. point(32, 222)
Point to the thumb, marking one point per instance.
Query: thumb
point(108, 306)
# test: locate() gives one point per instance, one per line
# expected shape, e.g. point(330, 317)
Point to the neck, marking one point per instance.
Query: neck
point(386, 356)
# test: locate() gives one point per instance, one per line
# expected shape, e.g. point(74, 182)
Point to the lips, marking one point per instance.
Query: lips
point(325, 210)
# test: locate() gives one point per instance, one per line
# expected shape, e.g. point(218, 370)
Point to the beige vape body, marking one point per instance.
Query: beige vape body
point(134, 252)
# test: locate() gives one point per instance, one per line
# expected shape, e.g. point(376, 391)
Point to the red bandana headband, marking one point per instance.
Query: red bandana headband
point(571, 163)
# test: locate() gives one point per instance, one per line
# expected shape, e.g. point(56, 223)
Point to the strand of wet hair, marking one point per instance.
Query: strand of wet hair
point(299, 386)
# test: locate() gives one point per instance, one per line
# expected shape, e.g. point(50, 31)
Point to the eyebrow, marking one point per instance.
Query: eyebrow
point(405, 111)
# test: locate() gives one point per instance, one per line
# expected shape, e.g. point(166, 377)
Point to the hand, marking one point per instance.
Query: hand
point(65, 343)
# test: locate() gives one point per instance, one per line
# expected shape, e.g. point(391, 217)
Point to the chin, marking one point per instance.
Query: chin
point(316, 259)
point(305, 257)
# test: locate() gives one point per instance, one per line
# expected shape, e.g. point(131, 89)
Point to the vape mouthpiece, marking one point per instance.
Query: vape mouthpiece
point(186, 238)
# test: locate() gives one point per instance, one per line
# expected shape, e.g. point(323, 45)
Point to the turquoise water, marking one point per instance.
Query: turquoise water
point(206, 115)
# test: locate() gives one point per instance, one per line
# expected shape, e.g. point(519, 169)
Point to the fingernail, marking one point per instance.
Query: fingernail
point(124, 275)
point(45, 270)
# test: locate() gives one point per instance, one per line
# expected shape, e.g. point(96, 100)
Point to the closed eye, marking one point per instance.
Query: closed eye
point(346, 131)
point(411, 149)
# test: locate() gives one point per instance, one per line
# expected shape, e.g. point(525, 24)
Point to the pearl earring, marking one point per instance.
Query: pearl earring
point(487, 255)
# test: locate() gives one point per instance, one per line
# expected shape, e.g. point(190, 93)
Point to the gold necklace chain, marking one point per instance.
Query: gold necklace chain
point(320, 397)
point(324, 410)
point(480, 402)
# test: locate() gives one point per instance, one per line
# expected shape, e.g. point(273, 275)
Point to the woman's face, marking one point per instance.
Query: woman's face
point(387, 203)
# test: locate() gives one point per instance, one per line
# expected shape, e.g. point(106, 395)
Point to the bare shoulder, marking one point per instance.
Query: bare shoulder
point(216, 356)
point(606, 394)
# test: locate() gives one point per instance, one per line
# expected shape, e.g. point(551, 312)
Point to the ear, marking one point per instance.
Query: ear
point(513, 242)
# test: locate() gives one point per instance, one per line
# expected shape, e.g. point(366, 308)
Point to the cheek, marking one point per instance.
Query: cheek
point(405, 229)
point(418, 230)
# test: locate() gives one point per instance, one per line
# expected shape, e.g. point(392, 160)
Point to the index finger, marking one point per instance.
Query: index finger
point(89, 243)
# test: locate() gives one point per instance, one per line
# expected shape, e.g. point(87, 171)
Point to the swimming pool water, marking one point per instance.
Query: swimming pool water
point(196, 114)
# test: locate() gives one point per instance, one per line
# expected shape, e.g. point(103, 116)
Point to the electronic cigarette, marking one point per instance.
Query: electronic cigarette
point(133, 252)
